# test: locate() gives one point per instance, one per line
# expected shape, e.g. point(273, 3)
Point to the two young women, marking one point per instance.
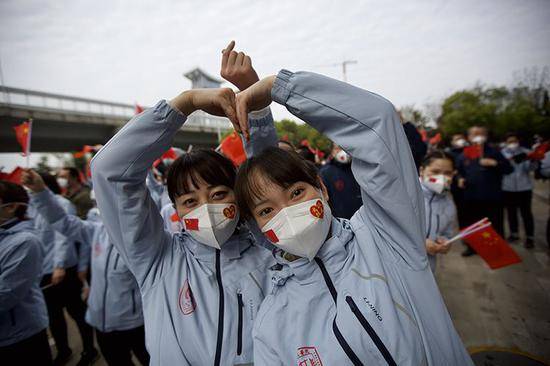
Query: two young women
point(343, 292)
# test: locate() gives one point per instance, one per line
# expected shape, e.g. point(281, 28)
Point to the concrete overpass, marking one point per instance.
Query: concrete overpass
point(64, 123)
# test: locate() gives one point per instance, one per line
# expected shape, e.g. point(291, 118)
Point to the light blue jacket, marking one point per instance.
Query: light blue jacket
point(58, 251)
point(114, 302)
point(159, 192)
point(369, 295)
point(22, 308)
point(199, 303)
point(545, 165)
point(519, 180)
point(441, 218)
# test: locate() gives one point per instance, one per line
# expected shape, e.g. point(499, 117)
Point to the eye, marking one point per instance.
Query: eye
point(296, 192)
point(190, 202)
point(265, 211)
point(219, 195)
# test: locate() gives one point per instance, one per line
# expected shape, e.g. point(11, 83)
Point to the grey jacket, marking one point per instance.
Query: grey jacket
point(199, 303)
point(369, 297)
point(114, 302)
point(22, 308)
point(519, 180)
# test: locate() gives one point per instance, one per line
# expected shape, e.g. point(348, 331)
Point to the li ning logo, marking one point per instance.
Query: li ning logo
point(371, 306)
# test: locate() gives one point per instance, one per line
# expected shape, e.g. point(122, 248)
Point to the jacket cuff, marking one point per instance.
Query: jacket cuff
point(260, 118)
point(281, 90)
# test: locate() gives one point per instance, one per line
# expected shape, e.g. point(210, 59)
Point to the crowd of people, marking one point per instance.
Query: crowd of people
point(280, 261)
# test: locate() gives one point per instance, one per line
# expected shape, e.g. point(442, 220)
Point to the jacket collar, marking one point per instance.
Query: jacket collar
point(333, 254)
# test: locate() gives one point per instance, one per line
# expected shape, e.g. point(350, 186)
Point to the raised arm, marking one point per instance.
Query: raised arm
point(119, 170)
point(236, 67)
point(367, 126)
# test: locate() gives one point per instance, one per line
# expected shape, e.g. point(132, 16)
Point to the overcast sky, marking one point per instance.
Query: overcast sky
point(130, 51)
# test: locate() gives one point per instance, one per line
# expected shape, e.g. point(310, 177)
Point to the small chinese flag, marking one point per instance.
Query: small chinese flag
point(23, 136)
point(492, 248)
point(14, 176)
point(436, 139)
point(191, 224)
point(539, 152)
point(232, 148)
point(472, 152)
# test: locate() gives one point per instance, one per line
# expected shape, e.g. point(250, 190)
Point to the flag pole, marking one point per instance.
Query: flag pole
point(28, 152)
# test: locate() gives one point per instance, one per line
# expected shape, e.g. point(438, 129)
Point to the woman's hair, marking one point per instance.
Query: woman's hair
point(10, 193)
point(280, 167)
point(435, 155)
point(199, 165)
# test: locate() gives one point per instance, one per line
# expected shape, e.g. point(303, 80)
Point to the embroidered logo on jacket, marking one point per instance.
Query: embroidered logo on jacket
point(186, 302)
point(308, 356)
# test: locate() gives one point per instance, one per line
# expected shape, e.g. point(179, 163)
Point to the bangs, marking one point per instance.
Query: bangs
point(198, 167)
point(273, 166)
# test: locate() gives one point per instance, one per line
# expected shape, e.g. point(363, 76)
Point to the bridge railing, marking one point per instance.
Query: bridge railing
point(18, 97)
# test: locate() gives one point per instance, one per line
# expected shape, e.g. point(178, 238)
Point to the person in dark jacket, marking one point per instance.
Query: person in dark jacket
point(343, 190)
point(458, 143)
point(481, 170)
point(418, 147)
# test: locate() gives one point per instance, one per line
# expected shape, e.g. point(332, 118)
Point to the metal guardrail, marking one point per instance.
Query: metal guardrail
point(18, 97)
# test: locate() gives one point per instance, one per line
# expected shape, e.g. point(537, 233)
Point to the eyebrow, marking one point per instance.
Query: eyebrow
point(259, 204)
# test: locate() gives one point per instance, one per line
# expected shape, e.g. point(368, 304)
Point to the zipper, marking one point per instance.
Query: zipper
point(12, 317)
point(219, 341)
point(339, 337)
point(430, 216)
point(371, 332)
point(133, 301)
point(106, 284)
point(240, 331)
point(437, 225)
point(116, 261)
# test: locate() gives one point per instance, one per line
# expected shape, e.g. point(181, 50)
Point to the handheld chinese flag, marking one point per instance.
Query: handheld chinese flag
point(23, 136)
point(539, 152)
point(472, 152)
point(139, 109)
point(492, 248)
point(232, 148)
point(14, 176)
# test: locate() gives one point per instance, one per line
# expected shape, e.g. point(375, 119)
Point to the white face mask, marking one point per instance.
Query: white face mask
point(300, 229)
point(479, 139)
point(342, 157)
point(459, 143)
point(436, 183)
point(93, 215)
point(63, 182)
point(212, 224)
point(513, 146)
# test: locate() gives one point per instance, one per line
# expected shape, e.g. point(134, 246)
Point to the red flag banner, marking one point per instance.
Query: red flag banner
point(492, 248)
point(436, 139)
point(232, 148)
point(23, 134)
point(472, 152)
point(14, 176)
point(539, 152)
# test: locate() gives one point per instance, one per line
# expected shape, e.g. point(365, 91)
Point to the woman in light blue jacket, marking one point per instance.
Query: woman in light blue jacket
point(344, 292)
point(114, 304)
point(23, 314)
point(436, 174)
point(201, 288)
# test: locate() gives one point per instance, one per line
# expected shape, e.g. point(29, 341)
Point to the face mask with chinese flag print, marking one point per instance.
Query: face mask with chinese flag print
point(436, 183)
point(212, 223)
point(300, 229)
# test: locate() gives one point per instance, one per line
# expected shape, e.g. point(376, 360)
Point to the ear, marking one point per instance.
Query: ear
point(323, 189)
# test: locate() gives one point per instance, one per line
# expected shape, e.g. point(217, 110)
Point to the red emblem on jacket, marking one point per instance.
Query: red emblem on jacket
point(308, 356)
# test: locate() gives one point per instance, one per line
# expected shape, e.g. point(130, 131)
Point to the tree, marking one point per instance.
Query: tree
point(413, 115)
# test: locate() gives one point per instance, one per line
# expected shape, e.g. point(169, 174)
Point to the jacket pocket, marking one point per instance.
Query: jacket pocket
point(371, 332)
point(240, 325)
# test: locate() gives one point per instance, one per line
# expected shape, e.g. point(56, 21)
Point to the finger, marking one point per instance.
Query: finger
point(232, 58)
point(247, 61)
point(228, 106)
point(240, 58)
point(242, 115)
point(225, 53)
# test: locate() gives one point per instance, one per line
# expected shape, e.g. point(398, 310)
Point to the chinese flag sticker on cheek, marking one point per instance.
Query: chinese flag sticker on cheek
point(191, 224)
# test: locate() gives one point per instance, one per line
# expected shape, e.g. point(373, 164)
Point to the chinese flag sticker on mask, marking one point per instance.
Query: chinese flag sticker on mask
point(212, 224)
